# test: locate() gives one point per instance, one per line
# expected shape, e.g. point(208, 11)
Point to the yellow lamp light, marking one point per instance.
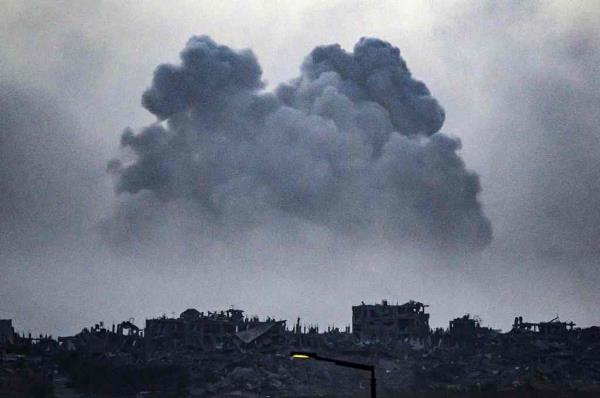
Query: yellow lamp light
point(300, 356)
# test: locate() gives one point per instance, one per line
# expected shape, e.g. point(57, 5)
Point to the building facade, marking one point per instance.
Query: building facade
point(7, 332)
point(386, 322)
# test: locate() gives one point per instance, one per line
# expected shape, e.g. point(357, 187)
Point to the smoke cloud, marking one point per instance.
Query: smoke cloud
point(45, 185)
point(352, 145)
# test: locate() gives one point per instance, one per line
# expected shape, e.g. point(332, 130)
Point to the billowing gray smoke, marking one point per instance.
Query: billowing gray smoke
point(352, 145)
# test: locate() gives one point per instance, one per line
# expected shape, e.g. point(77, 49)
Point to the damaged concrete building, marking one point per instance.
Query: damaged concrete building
point(467, 329)
point(266, 334)
point(552, 328)
point(7, 332)
point(208, 331)
point(192, 328)
point(124, 337)
point(385, 322)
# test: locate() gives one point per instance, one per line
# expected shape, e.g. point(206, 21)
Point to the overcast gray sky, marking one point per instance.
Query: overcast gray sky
point(519, 85)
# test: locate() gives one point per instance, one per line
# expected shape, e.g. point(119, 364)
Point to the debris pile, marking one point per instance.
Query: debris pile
point(27, 364)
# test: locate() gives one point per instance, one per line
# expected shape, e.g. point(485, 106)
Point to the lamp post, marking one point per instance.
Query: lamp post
point(339, 362)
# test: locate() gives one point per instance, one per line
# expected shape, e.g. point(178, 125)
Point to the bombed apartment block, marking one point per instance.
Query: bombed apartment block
point(124, 337)
point(551, 329)
point(265, 334)
point(468, 329)
point(207, 331)
point(7, 332)
point(464, 328)
point(385, 322)
point(192, 328)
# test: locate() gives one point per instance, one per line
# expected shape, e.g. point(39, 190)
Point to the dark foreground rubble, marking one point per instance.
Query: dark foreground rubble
point(401, 371)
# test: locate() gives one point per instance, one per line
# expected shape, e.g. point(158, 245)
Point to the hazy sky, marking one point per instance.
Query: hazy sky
point(519, 84)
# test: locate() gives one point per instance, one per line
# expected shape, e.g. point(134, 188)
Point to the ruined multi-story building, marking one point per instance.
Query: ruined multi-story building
point(390, 322)
point(467, 329)
point(192, 328)
point(265, 334)
point(207, 331)
point(552, 328)
point(464, 327)
point(124, 337)
point(7, 332)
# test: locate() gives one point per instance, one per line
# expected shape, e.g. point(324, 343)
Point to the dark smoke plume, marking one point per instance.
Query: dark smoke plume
point(351, 145)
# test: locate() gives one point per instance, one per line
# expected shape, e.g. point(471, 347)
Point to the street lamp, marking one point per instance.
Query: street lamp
point(339, 362)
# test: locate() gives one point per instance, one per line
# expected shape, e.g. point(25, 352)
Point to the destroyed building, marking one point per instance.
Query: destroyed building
point(464, 328)
point(7, 332)
point(208, 331)
point(384, 322)
point(124, 337)
point(550, 329)
point(192, 328)
point(266, 334)
point(467, 329)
